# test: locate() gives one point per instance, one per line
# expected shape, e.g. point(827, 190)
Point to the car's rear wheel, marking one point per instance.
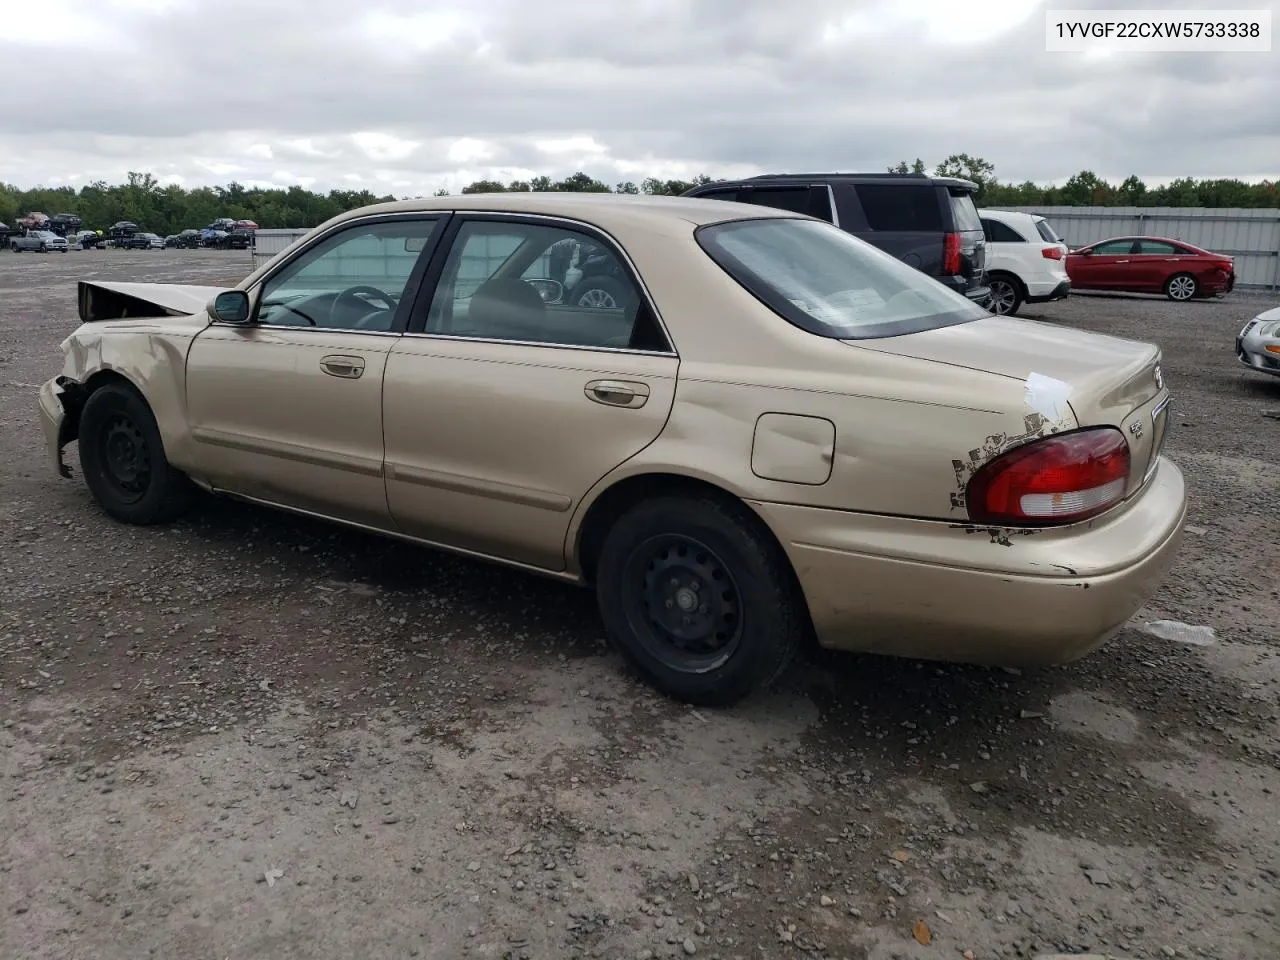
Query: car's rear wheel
point(1006, 294)
point(1181, 286)
point(699, 598)
point(122, 457)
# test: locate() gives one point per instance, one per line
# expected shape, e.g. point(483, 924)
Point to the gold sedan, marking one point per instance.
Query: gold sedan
point(740, 426)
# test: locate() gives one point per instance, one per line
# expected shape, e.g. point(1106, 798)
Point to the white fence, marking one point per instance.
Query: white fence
point(1251, 236)
point(268, 243)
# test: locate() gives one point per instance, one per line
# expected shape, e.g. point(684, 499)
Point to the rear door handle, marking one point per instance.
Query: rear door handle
point(349, 368)
point(1122, 261)
point(618, 393)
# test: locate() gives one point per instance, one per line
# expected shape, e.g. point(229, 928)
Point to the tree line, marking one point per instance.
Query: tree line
point(170, 208)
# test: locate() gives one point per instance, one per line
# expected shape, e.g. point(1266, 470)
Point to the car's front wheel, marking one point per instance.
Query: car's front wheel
point(699, 598)
point(1006, 295)
point(122, 457)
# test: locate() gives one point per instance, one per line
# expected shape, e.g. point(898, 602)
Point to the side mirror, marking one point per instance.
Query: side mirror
point(230, 306)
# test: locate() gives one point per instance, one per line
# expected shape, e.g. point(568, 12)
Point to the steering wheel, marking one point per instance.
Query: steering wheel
point(352, 294)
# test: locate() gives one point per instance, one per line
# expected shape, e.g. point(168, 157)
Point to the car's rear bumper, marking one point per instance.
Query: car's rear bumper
point(956, 592)
point(52, 417)
point(1059, 292)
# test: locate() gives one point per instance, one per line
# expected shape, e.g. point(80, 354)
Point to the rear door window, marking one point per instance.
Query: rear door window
point(728, 193)
point(898, 206)
point(795, 199)
point(998, 232)
point(1158, 248)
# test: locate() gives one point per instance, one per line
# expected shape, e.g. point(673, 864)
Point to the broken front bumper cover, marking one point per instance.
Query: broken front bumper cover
point(53, 419)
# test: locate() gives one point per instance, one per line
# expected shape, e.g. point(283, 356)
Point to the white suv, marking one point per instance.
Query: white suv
point(1026, 260)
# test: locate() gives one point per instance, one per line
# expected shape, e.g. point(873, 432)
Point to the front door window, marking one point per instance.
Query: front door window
point(352, 280)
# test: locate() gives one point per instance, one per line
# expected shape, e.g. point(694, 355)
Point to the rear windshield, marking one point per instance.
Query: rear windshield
point(827, 282)
point(965, 213)
point(1046, 231)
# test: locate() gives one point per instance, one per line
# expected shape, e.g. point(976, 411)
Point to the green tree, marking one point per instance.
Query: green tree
point(916, 166)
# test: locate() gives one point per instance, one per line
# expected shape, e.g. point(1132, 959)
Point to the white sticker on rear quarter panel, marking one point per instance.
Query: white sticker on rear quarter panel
point(1047, 396)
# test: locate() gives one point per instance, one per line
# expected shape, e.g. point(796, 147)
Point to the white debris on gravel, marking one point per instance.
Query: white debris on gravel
point(1180, 632)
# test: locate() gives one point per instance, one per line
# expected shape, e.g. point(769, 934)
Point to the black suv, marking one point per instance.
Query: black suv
point(930, 223)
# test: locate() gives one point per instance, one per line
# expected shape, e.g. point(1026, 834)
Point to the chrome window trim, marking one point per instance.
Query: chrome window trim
point(541, 343)
point(835, 214)
point(290, 327)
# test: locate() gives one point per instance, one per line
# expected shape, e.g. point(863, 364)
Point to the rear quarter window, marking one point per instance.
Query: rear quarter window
point(901, 207)
point(1046, 231)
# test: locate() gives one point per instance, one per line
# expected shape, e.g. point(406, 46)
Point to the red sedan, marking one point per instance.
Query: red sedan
point(1151, 265)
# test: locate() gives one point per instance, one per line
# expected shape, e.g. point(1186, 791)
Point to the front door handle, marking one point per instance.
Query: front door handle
point(349, 368)
point(618, 393)
point(1122, 261)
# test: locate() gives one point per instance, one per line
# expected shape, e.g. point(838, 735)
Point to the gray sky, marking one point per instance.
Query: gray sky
point(404, 96)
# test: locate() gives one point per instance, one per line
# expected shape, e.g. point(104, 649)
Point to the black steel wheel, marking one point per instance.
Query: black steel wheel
point(122, 457)
point(699, 597)
point(685, 601)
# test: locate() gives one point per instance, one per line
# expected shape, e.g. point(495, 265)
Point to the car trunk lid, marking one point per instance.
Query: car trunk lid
point(1101, 380)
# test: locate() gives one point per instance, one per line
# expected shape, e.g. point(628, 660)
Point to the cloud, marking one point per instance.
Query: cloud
point(398, 98)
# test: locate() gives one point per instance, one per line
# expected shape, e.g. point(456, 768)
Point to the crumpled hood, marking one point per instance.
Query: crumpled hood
point(100, 301)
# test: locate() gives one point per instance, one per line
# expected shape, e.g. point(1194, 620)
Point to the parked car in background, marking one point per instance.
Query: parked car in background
point(777, 431)
point(119, 233)
point(39, 241)
point(64, 224)
point(1026, 260)
point(238, 239)
point(1151, 265)
point(1258, 344)
point(154, 240)
point(930, 223)
point(88, 239)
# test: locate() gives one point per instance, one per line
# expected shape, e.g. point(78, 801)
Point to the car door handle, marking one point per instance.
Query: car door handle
point(1122, 261)
point(348, 368)
point(618, 393)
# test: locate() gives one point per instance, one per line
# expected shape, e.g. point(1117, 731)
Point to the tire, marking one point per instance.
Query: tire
point(707, 546)
point(601, 292)
point(122, 458)
point(1006, 294)
point(1181, 286)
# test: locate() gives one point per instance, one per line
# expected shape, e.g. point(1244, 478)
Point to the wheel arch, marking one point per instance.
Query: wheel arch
point(616, 498)
point(1009, 274)
point(76, 393)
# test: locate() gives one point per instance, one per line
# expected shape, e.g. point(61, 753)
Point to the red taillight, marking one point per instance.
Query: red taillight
point(1051, 253)
point(950, 254)
point(1060, 479)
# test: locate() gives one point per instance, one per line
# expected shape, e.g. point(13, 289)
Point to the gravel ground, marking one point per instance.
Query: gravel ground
point(253, 736)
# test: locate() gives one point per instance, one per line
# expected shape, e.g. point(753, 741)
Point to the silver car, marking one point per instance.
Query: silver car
point(1258, 345)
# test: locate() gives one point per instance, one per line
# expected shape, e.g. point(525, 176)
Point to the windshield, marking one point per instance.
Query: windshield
point(827, 282)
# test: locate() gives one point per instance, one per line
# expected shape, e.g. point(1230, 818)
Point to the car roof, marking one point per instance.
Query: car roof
point(605, 210)
point(904, 179)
